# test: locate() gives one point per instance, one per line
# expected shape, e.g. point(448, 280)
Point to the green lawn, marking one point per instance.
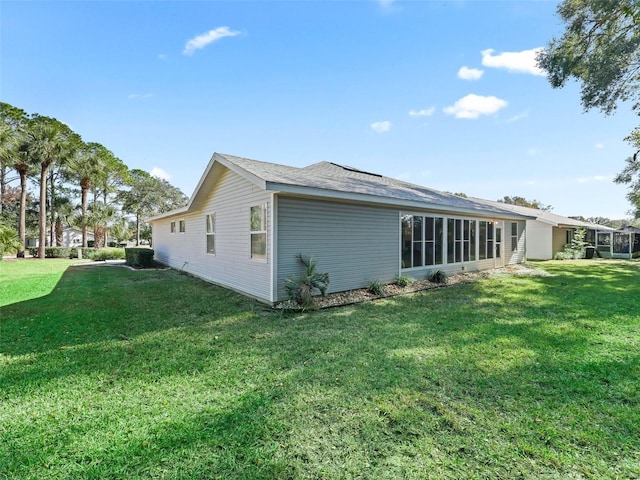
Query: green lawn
point(107, 373)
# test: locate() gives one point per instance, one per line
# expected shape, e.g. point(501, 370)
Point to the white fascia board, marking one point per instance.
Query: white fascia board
point(547, 222)
point(395, 202)
point(172, 213)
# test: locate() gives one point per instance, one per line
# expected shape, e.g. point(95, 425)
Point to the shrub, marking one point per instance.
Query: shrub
point(438, 277)
point(8, 240)
point(403, 281)
point(377, 288)
point(139, 257)
point(301, 288)
point(108, 254)
point(57, 252)
point(86, 252)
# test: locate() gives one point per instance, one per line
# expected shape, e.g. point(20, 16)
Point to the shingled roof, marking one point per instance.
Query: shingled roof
point(340, 182)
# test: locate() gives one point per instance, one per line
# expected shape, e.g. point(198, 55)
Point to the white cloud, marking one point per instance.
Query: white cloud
point(381, 127)
point(532, 151)
point(205, 39)
point(595, 178)
point(599, 145)
point(134, 96)
point(466, 73)
point(519, 116)
point(425, 112)
point(160, 173)
point(472, 106)
point(514, 62)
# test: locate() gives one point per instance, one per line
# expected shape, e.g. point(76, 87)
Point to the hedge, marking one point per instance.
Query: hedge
point(139, 257)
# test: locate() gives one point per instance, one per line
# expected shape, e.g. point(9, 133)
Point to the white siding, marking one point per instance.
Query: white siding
point(539, 240)
point(230, 200)
point(355, 244)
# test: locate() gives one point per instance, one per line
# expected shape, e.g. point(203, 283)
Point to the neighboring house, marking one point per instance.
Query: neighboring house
point(72, 237)
point(247, 221)
point(548, 233)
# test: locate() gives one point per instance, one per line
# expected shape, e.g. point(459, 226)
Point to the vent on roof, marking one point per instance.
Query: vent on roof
point(352, 169)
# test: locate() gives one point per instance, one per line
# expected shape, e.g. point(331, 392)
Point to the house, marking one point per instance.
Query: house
point(71, 237)
point(247, 221)
point(548, 233)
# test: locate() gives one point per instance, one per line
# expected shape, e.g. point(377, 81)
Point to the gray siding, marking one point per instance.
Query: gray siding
point(230, 200)
point(355, 244)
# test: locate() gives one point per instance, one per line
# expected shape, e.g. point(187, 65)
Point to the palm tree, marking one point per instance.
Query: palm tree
point(85, 168)
point(47, 142)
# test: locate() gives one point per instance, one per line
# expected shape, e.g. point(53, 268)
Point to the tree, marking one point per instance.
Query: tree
point(48, 141)
point(148, 195)
point(600, 48)
point(523, 202)
point(84, 168)
point(630, 175)
point(11, 120)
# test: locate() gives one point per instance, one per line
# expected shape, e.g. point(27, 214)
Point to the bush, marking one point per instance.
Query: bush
point(57, 252)
point(301, 288)
point(377, 288)
point(403, 281)
point(86, 252)
point(438, 277)
point(108, 254)
point(139, 257)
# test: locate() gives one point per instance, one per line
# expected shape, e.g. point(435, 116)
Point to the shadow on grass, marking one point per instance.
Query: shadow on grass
point(506, 377)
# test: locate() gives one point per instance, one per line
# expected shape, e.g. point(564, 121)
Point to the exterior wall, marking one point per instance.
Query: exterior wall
point(355, 244)
point(539, 240)
point(559, 239)
point(519, 255)
point(230, 200)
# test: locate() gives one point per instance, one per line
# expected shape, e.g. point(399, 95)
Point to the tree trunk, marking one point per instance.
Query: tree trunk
point(3, 179)
point(53, 210)
point(137, 230)
point(22, 222)
point(85, 192)
point(42, 224)
point(59, 231)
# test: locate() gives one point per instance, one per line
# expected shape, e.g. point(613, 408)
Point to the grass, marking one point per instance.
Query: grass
point(107, 373)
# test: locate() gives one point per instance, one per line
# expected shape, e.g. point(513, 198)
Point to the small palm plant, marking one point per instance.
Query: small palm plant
point(8, 240)
point(301, 288)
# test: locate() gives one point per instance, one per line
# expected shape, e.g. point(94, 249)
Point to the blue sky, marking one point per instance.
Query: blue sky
point(438, 93)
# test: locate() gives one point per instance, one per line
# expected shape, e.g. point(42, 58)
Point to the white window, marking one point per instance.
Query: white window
point(514, 236)
point(258, 232)
point(211, 233)
point(182, 226)
point(173, 227)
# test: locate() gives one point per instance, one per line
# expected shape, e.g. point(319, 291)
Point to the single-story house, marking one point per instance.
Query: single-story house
point(548, 233)
point(71, 237)
point(247, 221)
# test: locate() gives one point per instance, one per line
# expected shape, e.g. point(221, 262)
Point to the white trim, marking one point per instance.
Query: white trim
point(272, 230)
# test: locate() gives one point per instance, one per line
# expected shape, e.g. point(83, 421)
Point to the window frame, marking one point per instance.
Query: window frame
point(262, 232)
point(210, 233)
point(514, 237)
point(172, 227)
point(182, 226)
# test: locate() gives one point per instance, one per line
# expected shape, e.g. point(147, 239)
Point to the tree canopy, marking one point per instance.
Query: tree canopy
point(523, 202)
point(45, 152)
point(600, 48)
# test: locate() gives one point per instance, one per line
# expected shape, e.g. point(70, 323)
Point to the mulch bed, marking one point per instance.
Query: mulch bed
point(391, 290)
